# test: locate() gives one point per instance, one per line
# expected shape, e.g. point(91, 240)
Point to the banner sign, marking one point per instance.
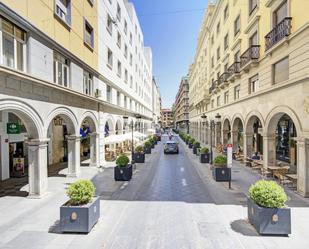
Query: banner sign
point(229, 155)
point(13, 128)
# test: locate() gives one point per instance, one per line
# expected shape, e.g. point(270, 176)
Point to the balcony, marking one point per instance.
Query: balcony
point(233, 71)
point(223, 79)
point(249, 57)
point(213, 87)
point(282, 30)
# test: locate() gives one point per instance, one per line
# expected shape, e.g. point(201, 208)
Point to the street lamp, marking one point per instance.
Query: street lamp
point(204, 117)
point(188, 127)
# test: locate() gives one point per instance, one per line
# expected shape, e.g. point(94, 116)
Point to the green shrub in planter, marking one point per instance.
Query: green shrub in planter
point(151, 140)
point(204, 150)
point(188, 138)
point(220, 161)
point(197, 144)
point(268, 194)
point(122, 161)
point(81, 192)
point(147, 144)
point(139, 149)
point(192, 140)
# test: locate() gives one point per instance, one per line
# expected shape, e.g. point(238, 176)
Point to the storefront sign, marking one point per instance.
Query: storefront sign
point(13, 128)
point(229, 155)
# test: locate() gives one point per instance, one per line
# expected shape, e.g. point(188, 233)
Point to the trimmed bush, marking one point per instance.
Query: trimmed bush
point(188, 138)
point(154, 137)
point(220, 161)
point(192, 140)
point(81, 192)
point(197, 144)
point(204, 150)
point(268, 194)
point(147, 144)
point(151, 140)
point(139, 149)
point(122, 161)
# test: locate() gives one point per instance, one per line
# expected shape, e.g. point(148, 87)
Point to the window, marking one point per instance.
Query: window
point(109, 25)
point(131, 81)
point(280, 13)
point(252, 6)
point(88, 84)
point(63, 10)
point(212, 62)
point(237, 56)
point(281, 70)
point(125, 102)
point(131, 59)
point(226, 41)
point(125, 51)
point(218, 28)
point(218, 101)
point(212, 104)
point(109, 58)
point(253, 84)
point(125, 27)
point(253, 40)
point(118, 98)
point(119, 69)
point(226, 12)
point(61, 70)
point(108, 94)
point(126, 77)
point(131, 39)
point(88, 34)
point(212, 40)
point(13, 45)
point(236, 92)
point(237, 26)
point(118, 40)
point(218, 53)
point(226, 98)
point(118, 12)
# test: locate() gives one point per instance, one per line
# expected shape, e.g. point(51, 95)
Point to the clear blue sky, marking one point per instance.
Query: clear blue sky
point(172, 37)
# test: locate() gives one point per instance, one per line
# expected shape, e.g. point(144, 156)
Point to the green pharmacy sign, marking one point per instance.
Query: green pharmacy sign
point(13, 128)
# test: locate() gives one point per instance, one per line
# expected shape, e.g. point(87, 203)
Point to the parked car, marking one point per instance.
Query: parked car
point(171, 147)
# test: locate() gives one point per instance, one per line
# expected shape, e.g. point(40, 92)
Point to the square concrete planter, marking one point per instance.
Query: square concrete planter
point(221, 174)
point(139, 157)
point(190, 146)
point(195, 150)
point(147, 150)
point(269, 221)
point(187, 142)
point(79, 219)
point(152, 146)
point(204, 158)
point(123, 173)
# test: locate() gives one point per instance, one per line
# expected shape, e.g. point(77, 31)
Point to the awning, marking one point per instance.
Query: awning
point(112, 139)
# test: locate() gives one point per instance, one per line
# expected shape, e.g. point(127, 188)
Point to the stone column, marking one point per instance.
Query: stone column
point(37, 162)
point(225, 134)
point(269, 150)
point(234, 140)
point(73, 156)
point(94, 150)
point(302, 166)
point(248, 144)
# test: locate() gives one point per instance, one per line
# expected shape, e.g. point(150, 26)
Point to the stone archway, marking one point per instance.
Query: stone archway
point(36, 142)
point(253, 134)
point(237, 133)
point(226, 132)
point(118, 127)
point(62, 128)
point(90, 138)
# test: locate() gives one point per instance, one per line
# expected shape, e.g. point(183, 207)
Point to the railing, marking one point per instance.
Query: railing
point(281, 30)
point(223, 78)
point(234, 68)
point(213, 86)
point(252, 53)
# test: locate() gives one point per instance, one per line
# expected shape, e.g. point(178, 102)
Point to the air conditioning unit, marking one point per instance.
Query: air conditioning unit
point(98, 93)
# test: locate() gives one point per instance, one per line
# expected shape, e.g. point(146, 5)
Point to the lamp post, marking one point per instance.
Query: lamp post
point(204, 117)
point(218, 120)
point(188, 127)
point(212, 126)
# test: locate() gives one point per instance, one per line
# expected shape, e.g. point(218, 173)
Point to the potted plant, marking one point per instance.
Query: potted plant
point(155, 139)
point(220, 171)
point(187, 139)
point(152, 144)
point(82, 211)
point(266, 208)
point(204, 155)
point(191, 142)
point(196, 146)
point(123, 170)
point(147, 147)
point(139, 155)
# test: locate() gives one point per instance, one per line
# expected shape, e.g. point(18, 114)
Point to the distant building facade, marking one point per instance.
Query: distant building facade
point(181, 105)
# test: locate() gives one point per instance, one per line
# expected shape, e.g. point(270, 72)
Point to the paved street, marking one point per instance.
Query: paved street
point(171, 202)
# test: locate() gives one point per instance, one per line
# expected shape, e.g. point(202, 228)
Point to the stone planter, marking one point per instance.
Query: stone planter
point(152, 146)
point(147, 150)
point(269, 221)
point(221, 174)
point(123, 173)
point(139, 157)
point(204, 158)
point(190, 146)
point(187, 142)
point(79, 219)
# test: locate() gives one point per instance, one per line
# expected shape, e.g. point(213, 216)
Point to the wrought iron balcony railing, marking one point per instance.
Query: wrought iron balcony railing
point(223, 78)
point(213, 86)
point(233, 69)
point(252, 53)
point(282, 29)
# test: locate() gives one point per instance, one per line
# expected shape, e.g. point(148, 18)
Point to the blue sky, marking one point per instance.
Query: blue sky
point(172, 37)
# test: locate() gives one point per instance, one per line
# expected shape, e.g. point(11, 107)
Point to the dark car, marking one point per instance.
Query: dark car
point(171, 147)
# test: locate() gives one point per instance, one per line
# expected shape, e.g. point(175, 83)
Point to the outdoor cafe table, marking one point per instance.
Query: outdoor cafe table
point(293, 178)
point(278, 169)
